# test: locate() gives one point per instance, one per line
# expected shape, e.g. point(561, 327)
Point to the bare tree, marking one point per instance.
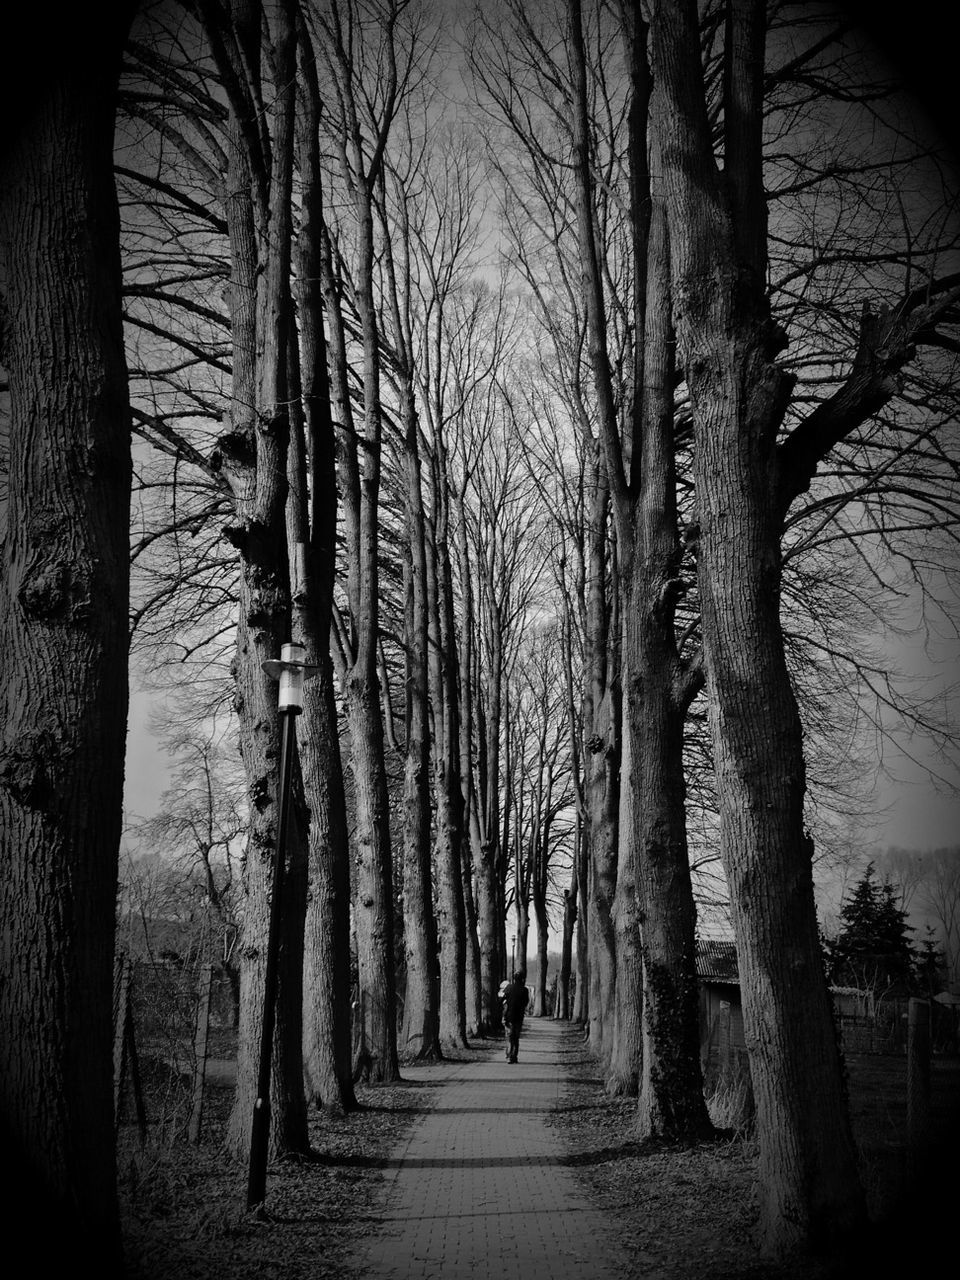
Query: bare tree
point(745, 481)
point(197, 830)
point(373, 52)
point(402, 220)
point(248, 45)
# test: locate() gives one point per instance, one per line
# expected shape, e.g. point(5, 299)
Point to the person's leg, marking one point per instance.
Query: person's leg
point(514, 1041)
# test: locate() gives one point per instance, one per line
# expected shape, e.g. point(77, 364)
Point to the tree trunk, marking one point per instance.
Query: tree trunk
point(447, 793)
point(581, 995)
point(478, 995)
point(563, 1007)
point(374, 897)
point(359, 462)
point(602, 793)
point(624, 1035)
point(471, 979)
point(327, 1038)
point(807, 1157)
point(660, 686)
point(487, 847)
point(657, 680)
point(64, 597)
point(253, 458)
point(543, 936)
point(312, 515)
point(810, 1195)
point(420, 1036)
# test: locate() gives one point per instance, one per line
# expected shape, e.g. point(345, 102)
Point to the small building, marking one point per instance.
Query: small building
point(722, 1045)
point(866, 1024)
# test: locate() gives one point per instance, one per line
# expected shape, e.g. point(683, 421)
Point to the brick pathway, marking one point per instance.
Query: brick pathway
point(478, 1189)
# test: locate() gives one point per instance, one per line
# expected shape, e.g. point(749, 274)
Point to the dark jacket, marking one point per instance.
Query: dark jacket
point(515, 1002)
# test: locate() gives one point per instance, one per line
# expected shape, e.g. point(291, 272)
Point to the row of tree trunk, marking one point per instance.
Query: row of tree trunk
point(329, 373)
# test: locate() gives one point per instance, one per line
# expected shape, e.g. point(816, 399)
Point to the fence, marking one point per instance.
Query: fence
point(885, 1028)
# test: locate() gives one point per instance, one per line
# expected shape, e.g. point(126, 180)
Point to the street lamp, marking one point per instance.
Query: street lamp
point(291, 670)
point(513, 954)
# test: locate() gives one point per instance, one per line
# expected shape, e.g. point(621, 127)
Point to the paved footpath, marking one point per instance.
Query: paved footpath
point(478, 1188)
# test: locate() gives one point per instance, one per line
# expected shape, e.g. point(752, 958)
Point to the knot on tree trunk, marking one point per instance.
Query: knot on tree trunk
point(23, 769)
point(48, 591)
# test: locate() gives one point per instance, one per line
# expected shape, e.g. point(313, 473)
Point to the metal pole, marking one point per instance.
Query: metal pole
point(260, 1128)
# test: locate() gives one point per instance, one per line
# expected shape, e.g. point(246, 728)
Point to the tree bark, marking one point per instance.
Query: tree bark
point(420, 1036)
point(656, 679)
point(446, 776)
point(312, 517)
point(563, 1008)
point(359, 471)
point(489, 863)
point(810, 1195)
point(64, 602)
point(252, 457)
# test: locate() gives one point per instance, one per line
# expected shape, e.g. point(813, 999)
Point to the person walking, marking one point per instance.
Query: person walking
point(514, 1006)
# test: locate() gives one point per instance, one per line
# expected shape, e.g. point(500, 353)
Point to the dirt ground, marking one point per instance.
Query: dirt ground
point(690, 1214)
point(684, 1214)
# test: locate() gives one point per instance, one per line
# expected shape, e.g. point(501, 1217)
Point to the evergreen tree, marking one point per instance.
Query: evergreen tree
point(873, 947)
point(931, 965)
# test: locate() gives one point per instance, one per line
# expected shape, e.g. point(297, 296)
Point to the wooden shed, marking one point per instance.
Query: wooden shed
point(722, 1047)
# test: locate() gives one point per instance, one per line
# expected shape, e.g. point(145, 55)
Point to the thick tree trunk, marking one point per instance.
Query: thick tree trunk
point(542, 941)
point(312, 517)
point(642, 483)
point(809, 1190)
point(449, 815)
point(625, 1031)
point(253, 458)
point(262, 629)
point(450, 917)
point(420, 1034)
point(327, 1034)
point(264, 594)
point(523, 931)
point(660, 687)
point(602, 781)
point(485, 827)
point(64, 597)
point(581, 995)
point(602, 794)
point(477, 995)
point(471, 978)
point(374, 896)
point(487, 898)
point(671, 1103)
point(448, 795)
point(563, 1008)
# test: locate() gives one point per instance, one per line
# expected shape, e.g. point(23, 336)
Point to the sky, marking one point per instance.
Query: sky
point(913, 812)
